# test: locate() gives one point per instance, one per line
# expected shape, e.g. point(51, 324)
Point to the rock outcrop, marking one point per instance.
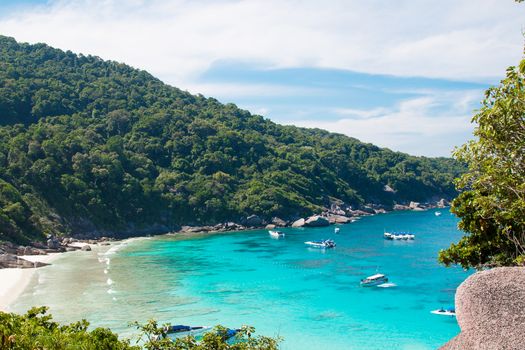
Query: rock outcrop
point(490, 308)
point(227, 226)
point(443, 203)
point(254, 221)
point(339, 219)
point(13, 261)
point(415, 206)
point(317, 221)
point(278, 222)
point(298, 223)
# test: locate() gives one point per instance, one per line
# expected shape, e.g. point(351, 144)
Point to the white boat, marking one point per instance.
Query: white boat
point(397, 236)
point(374, 280)
point(437, 213)
point(444, 312)
point(323, 244)
point(336, 230)
point(276, 234)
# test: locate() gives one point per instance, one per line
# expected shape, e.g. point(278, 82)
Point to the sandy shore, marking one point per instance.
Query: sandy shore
point(15, 280)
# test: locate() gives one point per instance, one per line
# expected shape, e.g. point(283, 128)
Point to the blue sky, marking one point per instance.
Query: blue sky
point(406, 75)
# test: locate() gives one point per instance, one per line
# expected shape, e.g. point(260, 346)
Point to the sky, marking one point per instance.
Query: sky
point(404, 74)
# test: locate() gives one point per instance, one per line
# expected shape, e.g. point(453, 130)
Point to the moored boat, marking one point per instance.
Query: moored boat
point(444, 312)
point(336, 230)
point(276, 234)
point(181, 330)
point(437, 213)
point(374, 280)
point(322, 244)
point(397, 236)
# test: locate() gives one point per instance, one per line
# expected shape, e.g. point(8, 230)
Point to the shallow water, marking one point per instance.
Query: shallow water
point(310, 297)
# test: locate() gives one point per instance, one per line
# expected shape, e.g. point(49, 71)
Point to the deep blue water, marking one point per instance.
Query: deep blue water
point(312, 298)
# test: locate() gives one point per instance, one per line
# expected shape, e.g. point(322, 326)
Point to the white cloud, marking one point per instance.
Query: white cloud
point(180, 39)
point(235, 90)
point(360, 113)
point(429, 125)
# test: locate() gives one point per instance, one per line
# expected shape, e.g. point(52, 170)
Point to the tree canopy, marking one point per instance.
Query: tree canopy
point(491, 205)
point(37, 330)
point(88, 145)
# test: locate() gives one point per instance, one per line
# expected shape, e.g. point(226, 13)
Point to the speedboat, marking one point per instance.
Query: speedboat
point(336, 230)
point(437, 213)
point(276, 234)
point(444, 312)
point(374, 280)
point(181, 330)
point(323, 244)
point(398, 236)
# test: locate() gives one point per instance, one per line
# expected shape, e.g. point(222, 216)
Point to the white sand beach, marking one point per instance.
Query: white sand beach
point(13, 281)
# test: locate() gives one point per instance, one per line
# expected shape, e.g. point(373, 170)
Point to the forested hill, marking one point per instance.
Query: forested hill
point(90, 144)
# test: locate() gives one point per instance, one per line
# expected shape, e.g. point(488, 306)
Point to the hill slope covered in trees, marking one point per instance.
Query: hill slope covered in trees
point(88, 144)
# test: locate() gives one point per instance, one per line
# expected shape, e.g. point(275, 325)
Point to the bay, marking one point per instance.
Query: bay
point(312, 298)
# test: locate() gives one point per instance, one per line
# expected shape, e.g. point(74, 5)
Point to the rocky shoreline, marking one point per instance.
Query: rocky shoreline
point(10, 253)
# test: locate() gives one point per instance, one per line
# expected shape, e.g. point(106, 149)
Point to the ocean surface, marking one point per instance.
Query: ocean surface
point(311, 298)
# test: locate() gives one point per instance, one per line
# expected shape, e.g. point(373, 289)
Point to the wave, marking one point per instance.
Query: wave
point(121, 244)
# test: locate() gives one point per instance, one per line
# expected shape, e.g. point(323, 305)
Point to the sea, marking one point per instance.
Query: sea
point(311, 298)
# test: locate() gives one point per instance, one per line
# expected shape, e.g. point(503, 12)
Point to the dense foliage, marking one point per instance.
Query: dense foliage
point(89, 145)
point(155, 337)
point(37, 330)
point(492, 203)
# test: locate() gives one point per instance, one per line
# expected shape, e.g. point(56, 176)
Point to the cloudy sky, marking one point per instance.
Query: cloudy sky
point(403, 74)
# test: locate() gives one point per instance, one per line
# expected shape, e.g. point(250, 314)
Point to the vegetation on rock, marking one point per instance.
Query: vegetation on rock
point(88, 145)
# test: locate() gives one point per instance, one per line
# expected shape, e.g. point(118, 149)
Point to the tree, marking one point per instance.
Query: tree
point(37, 330)
point(491, 204)
point(155, 337)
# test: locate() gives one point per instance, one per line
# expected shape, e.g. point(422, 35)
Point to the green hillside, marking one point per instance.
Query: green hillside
point(91, 145)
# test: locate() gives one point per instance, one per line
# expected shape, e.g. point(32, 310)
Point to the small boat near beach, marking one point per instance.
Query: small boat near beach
point(336, 230)
point(322, 244)
point(276, 234)
point(437, 213)
point(399, 236)
point(181, 330)
point(444, 312)
point(374, 280)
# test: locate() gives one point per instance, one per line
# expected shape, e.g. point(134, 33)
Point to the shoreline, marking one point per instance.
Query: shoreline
point(15, 280)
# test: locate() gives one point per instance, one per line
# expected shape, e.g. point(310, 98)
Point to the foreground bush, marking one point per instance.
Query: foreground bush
point(156, 338)
point(36, 330)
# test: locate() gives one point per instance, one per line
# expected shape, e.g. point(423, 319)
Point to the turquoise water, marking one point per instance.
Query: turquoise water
point(310, 297)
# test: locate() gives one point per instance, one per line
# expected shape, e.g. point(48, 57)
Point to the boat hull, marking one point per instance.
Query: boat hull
point(320, 245)
point(374, 283)
point(443, 313)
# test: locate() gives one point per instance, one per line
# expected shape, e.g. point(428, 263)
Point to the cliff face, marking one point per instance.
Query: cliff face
point(490, 308)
